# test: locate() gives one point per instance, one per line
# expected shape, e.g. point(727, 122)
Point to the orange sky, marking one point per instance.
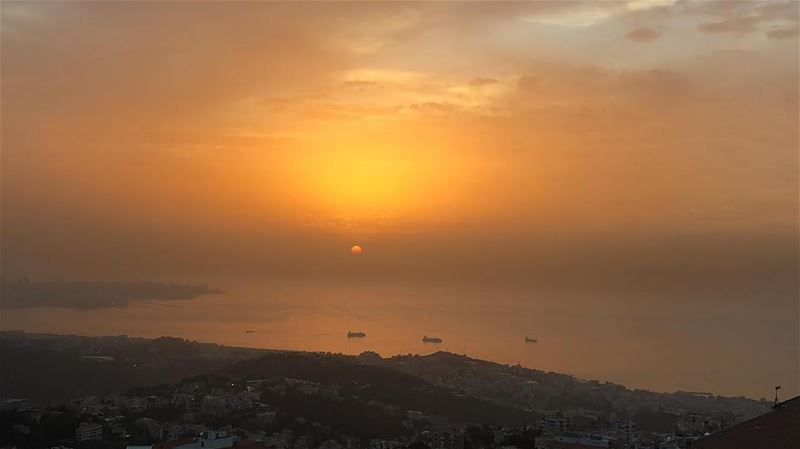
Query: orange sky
point(630, 146)
point(295, 127)
point(362, 120)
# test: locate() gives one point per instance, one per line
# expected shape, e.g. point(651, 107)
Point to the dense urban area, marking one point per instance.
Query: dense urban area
point(172, 393)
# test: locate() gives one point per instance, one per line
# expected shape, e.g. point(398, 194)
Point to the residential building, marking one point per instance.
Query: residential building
point(88, 431)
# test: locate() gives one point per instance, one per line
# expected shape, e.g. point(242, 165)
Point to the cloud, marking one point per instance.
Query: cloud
point(783, 33)
point(643, 34)
point(534, 155)
point(477, 82)
point(432, 107)
point(575, 17)
point(779, 19)
point(361, 83)
point(736, 25)
point(582, 88)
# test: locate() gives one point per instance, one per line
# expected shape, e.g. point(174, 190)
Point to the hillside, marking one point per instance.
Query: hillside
point(444, 384)
point(530, 389)
point(375, 385)
point(93, 295)
point(101, 365)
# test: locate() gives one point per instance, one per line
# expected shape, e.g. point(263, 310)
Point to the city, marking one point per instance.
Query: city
point(290, 400)
point(380, 224)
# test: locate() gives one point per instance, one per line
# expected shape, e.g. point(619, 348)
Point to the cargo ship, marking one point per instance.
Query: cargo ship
point(426, 339)
point(356, 335)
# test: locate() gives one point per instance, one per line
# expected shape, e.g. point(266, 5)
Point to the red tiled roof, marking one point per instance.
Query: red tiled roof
point(776, 429)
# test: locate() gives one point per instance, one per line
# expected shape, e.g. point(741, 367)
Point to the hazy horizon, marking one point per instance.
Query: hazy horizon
point(618, 178)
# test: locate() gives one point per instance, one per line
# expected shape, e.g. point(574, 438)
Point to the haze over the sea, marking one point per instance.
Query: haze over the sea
point(617, 179)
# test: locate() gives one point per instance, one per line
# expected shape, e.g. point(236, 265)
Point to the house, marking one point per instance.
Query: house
point(776, 429)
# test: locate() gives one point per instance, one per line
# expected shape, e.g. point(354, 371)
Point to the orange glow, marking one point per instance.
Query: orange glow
point(643, 152)
point(347, 177)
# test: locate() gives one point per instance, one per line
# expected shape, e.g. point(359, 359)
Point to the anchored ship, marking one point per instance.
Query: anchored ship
point(426, 339)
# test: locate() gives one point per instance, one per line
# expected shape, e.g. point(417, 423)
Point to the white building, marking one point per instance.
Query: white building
point(88, 431)
point(554, 425)
point(577, 439)
point(210, 440)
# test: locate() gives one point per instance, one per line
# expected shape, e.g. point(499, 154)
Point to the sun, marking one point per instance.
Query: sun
point(356, 250)
point(342, 173)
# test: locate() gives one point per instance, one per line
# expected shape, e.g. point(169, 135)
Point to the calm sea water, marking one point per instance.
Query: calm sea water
point(640, 342)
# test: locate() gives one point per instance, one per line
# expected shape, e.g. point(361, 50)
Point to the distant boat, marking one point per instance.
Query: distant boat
point(248, 331)
point(426, 339)
point(530, 340)
point(356, 335)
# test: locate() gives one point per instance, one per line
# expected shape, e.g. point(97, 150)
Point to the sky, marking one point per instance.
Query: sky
point(643, 149)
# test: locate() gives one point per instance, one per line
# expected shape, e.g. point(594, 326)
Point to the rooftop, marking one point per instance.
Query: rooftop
point(776, 429)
